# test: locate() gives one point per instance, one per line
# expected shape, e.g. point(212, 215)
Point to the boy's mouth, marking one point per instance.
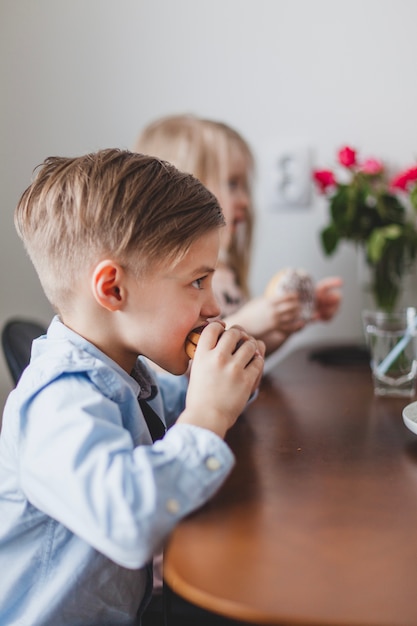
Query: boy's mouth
point(192, 340)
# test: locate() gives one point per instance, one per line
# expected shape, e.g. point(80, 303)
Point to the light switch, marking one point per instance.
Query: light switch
point(289, 177)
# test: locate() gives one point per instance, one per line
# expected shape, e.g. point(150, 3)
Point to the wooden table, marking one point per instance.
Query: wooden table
point(317, 524)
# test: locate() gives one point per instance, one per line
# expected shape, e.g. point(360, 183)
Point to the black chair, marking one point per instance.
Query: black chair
point(169, 609)
point(16, 337)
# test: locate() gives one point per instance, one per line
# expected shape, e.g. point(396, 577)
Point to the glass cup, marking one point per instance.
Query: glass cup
point(392, 342)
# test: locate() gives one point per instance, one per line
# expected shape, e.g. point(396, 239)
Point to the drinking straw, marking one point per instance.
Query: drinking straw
point(396, 351)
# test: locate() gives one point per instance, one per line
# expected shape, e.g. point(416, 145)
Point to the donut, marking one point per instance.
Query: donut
point(294, 280)
point(192, 341)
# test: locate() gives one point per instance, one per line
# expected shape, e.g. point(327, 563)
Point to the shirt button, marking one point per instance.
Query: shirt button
point(212, 463)
point(172, 506)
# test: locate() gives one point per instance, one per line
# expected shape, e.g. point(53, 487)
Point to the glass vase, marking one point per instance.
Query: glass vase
point(380, 290)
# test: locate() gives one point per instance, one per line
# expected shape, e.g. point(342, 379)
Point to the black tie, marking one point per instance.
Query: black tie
point(153, 421)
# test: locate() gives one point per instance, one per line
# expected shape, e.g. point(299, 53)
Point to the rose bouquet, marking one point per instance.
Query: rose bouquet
point(376, 214)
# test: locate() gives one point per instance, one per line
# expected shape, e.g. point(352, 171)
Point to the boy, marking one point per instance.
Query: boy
point(125, 247)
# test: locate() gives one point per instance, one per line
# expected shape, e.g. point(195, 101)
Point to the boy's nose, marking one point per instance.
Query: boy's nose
point(211, 307)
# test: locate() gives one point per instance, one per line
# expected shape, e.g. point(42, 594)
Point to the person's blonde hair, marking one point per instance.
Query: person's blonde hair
point(204, 148)
point(114, 203)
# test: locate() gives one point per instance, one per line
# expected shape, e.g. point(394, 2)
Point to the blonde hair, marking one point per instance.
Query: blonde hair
point(135, 208)
point(204, 148)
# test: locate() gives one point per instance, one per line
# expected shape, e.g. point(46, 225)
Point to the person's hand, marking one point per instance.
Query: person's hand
point(226, 369)
point(263, 315)
point(328, 298)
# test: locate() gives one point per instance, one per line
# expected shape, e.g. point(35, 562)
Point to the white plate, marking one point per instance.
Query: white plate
point(410, 416)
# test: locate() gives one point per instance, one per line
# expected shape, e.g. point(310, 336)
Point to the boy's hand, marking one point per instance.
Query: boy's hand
point(227, 368)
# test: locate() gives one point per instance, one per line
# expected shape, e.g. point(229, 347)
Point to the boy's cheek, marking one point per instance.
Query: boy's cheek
point(171, 355)
point(177, 366)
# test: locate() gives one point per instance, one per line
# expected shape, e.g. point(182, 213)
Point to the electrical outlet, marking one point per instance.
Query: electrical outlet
point(289, 177)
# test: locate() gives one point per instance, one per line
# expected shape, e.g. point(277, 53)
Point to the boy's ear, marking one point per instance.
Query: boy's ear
point(107, 285)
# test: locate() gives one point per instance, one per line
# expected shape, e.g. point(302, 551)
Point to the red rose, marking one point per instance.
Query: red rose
point(402, 180)
point(399, 182)
point(347, 156)
point(324, 179)
point(372, 167)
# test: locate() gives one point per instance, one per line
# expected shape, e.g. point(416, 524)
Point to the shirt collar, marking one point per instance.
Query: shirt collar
point(140, 379)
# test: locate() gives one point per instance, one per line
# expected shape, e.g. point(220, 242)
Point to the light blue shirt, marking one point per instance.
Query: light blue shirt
point(86, 499)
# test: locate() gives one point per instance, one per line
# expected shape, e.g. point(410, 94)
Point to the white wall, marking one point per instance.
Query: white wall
point(86, 74)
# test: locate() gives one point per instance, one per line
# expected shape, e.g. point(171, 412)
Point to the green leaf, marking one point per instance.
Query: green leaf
point(413, 197)
point(392, 231)
point(338, 207)
point(329, 239)
point(390, 209)
point(375, 245)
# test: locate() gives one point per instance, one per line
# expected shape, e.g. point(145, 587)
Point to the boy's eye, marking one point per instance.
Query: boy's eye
point(198, 283)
